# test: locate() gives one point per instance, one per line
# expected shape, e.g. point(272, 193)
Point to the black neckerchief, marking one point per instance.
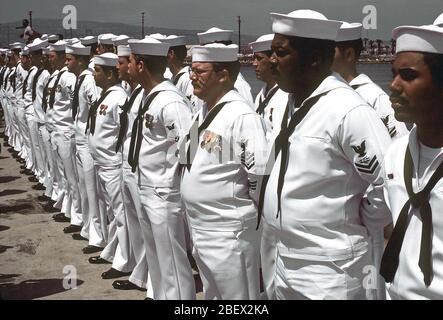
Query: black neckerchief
point(7, 78)
point(281, 144)
point(92, 115)
point(137, 132)
point(177, 77)
point(75, 100)
point(263, 104)
point(25, 84)
point(420, 200)
point(191, 150)
point(54, 88)
point(45, 95)
point(124, 118)
point(34, 83)
point(2, 73)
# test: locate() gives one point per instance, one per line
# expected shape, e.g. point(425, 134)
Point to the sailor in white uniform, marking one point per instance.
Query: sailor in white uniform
point(41, 100)
point(217, 35)
point(122, 40)
point(180, 72)
point(322, 163)
point(4, 70)
point(347, 52)
point(85, 94)
point(4, 76)
point(270, 104)
point(56, 171)
point(38, 83)
point(223, 161)
point(103, 128)
point(105, 43)
point(34, 113)
point(17, 76)
point(162, 120)
point(138, 279)
point(90, 41)
point(413, 257)
point(63, 140)
point(270, 98)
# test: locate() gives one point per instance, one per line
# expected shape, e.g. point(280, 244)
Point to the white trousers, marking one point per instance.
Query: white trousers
point(163, 232)
point(15, 138)
point(65, 148)
point(50, 180)
point(268, 253)
point(94, 214)
point(133, 210)
point(118, 248)
point(26, 152)
point(298, 279)
point(36, 147)
point(228, 262)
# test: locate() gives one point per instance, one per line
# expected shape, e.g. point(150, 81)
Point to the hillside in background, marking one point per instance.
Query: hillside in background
point(84, 28)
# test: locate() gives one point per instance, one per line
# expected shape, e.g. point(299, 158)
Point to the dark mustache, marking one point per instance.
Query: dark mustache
point(395, 98)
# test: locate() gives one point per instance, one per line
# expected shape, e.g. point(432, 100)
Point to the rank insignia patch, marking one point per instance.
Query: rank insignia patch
point(365, 164)
point(248, 160)
point(103, 109)
point(148, 120)
point(392, 131)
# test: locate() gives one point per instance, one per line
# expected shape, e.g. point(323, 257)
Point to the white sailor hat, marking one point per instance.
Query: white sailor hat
point(60, 45)
point(120, 40)
point(107, 59)
point(3, 51)
point(349, 32)
point(25, 51)
point(427, 38)
point(175, 41)
point(149, 46)
point(53, 37)
point(37, 44)
point(157, 36)
point(214, 34)
point(44, 36)
point(16, 45)
point(439, 20)
point(123, 51)
point(78, 49)
point(305, 24)
point(9, 53)
point(88, 40)
point(45, 50)
point(215, 52)
point(263, 43)
point(106, 38)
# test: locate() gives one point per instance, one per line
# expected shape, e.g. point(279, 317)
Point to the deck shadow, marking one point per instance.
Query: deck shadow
point(9, 192)
point(32, 289)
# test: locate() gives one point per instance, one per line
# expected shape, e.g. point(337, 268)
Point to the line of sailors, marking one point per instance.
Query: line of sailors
point(148, 159)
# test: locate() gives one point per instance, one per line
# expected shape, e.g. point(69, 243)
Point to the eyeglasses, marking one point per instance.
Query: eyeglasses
point(197, 72)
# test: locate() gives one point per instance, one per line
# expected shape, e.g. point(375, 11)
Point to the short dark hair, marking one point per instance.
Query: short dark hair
point(155, 64)
point(180, 52)
point(357, 45)
point(113, 70)
point(233, 68)
point(84, 59)
point(435, 64)
point(306, 47)
point(225, 42)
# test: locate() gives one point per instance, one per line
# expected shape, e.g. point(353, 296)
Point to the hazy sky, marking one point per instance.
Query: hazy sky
point(203, 14)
